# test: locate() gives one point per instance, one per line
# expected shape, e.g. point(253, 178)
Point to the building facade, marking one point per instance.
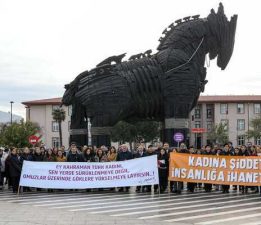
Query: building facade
point(40, 111)
point(236, 112)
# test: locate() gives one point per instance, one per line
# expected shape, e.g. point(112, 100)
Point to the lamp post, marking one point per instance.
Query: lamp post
point(11, 111)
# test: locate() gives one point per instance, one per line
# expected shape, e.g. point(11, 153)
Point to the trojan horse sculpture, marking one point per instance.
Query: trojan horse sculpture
point(164, 86)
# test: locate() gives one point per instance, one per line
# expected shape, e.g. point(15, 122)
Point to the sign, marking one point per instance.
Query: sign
point(33, 139)
point(227, 170)
point(178, 137)
point(198, 130)
point(78, 175)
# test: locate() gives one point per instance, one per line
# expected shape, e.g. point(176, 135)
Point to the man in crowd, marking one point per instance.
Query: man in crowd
point(26, 156)
point(231, 148)
point(191, 185)
point(150, 151)
point(208, 151)
point(225, 151)
point(166, 147)
point(177, 185)
point(74, 155)
point(123, 155)
point(139, 154)
point(38, 156)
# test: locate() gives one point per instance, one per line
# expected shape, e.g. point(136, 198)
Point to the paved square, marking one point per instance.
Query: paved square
point(80, 208)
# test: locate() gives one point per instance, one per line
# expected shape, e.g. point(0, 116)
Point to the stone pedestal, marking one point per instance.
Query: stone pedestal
point(80, 136)
point(172, 126)
point(101, 136)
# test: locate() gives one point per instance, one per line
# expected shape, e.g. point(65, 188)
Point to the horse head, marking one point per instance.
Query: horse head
point(71, 89)
point(223, 36)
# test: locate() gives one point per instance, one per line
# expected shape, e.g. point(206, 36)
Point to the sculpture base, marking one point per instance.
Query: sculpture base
point(101, 136)
point(79, 136)
point(172, 126)
point(99, 140)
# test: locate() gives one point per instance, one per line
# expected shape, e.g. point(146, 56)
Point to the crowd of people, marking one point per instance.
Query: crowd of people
point(11, 161)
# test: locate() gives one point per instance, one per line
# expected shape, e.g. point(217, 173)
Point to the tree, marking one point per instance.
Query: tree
point(59, 116)
point(148, 130)
point(124, 132)
point(218, 134)
point(17, 134)
point(145, 131)
point(255, 132)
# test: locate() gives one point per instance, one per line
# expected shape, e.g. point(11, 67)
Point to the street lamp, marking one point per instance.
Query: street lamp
point(11, 112)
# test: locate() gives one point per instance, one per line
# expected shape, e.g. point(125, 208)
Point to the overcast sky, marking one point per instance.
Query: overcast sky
point(44, 44)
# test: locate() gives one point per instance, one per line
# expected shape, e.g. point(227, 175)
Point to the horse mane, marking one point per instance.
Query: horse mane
point(175, 26)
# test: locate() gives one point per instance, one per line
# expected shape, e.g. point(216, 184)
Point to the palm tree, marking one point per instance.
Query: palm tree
point(59, 116)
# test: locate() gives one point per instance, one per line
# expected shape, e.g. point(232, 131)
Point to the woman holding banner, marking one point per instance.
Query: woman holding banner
point(88, 155)
point(49, 156)
point(100, 156)
point(15, 168)
point(112, 154)
point(163, 164)
point(60, 156)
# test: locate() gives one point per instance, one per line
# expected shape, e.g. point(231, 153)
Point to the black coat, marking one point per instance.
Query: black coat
point(207, 153)
point(225, 153)
point(75, 157)
point(88, 158)
point(38, 158)
point(183, 150)
point(149, 153)
point(122, 156)
point(245, 153)
point(15, 166)
point(138, 155)
point(27, 157)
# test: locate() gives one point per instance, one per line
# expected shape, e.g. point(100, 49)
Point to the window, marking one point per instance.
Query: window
point(55, 142)
point(240, 108)
point(197, 113)
point(257, 108)
point(209, 126)
point(223, 109)
point(69, 110)
point(258, 141)
point(240, 124)
point(209, 113)
point(197, 124)
point(55, 126)
point(240, 140)
point(225, 123)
